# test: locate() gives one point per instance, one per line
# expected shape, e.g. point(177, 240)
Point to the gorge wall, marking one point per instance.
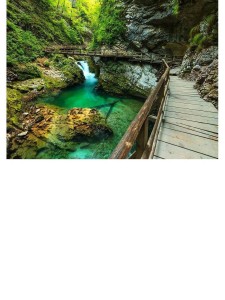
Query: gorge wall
point(187, 28)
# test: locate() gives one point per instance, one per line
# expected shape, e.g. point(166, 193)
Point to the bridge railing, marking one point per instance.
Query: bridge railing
point(137, 135)
point(136, 57)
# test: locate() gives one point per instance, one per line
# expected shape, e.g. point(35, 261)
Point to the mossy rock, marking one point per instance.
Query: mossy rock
point(29, 85)
point(26, 71)
point(14, 106)
point(68, 65)
point(52, 83)
point(52, 128)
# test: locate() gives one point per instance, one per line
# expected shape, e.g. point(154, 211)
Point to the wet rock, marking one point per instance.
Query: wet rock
point(196, 68)
point(56, 129)
point(39, 119)
point(11, 76)
point(22, 134)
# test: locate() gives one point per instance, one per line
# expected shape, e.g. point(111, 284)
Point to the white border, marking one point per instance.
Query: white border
point(112, 229)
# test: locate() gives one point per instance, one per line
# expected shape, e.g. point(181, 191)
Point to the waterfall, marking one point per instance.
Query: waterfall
point(90, 77)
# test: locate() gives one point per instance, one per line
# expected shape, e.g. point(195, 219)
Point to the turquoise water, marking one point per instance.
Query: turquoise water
point(119, 112)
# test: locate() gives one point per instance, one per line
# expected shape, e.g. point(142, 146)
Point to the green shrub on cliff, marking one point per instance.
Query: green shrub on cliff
point(175, 6)
point(204, 34)
point(33, 24)
point(111, 24)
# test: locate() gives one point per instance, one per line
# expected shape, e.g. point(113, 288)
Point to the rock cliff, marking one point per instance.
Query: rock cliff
point(167, 28)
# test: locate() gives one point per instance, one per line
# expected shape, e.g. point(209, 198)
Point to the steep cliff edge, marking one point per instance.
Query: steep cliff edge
point(167, 28)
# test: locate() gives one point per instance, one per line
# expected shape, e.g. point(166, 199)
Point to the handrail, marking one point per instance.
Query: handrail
point(138, 56)
point(138, 129)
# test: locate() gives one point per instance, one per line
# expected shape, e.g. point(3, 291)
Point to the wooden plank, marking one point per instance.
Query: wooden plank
point(174, 102)
point(206, 127)
point(142, 139)
point(186, 96)
point(168, 151)
point(185, 101)
point(193, 112)
point(181, 89)
point(205, 107)
point(190, 130)
point(195, 143)
point(189, 117)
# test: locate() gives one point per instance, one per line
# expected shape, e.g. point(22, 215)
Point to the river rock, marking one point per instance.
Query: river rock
point(22, 134)
point(53, 128)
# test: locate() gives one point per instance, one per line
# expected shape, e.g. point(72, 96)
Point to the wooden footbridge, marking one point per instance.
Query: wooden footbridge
point(184, 127)
point(113, 54)
point(174, 121)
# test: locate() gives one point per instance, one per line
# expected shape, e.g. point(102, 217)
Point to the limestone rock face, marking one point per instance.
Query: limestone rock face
point(124, 78)
point(153, 25)
point(154, 28)
point(207, 82)
point(202, 67)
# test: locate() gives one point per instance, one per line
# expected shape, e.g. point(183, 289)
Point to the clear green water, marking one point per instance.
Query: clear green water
point(120, 113)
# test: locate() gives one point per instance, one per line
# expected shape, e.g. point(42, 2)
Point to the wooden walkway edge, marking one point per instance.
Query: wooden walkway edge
point(189, 129)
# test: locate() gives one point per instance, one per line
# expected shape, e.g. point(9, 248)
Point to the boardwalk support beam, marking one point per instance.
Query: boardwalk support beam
point(138, 129)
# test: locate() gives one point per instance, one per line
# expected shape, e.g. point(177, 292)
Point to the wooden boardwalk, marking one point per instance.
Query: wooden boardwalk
point(113, 54)
point(189, 129)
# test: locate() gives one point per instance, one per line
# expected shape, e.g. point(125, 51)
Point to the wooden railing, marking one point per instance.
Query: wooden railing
point(137, 56)
point(137, 135)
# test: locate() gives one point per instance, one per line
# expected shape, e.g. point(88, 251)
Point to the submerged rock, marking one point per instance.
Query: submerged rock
point(81, 124)
point(53, 128)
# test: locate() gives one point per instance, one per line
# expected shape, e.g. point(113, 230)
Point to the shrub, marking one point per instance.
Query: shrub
point(111, 24)
point(175, 7)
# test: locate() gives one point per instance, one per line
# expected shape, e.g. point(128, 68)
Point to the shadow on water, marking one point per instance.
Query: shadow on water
point(118, 112)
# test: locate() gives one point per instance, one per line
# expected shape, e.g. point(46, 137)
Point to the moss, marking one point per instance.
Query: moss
point(195, 30)
point(175, 6)
point(32, 25)
point(72, 73)
point(210, 20)
point(52, 83)
point(13, 96)
point(29, 85)
point(111, 25)
point(14, 106)
point(26, 71)
point(204, 34)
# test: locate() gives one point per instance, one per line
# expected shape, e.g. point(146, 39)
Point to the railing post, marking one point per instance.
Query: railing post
point(142, 140)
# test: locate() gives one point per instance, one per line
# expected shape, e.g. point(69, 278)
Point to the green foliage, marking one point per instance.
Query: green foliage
point(175, 6)
point(110, 24)
point(203, 38)
point(22, 46)
point(197, 39)
point(210, 21)
point(27, 71)
point(33, 24)
point(195, 30)
point(69, 68)
point(201, 41)
point(14, 106)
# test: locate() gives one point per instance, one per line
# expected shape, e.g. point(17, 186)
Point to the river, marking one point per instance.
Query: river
point(119, 113)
